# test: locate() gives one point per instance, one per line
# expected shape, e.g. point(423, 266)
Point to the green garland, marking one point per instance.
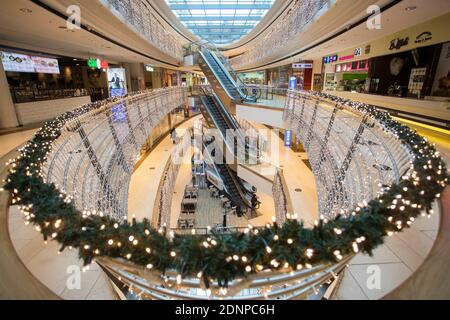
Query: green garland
point(225, 257)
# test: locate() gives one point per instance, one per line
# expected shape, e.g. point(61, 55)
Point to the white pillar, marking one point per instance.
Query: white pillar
point(8, 116)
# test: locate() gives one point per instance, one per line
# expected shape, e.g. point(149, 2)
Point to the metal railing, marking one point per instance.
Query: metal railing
point(244, 92)
point(163, 206)
point(283, 31)
point(138, 15)
point(281, 198)
point(93, 158)
point(283, 284)
point(351, 155)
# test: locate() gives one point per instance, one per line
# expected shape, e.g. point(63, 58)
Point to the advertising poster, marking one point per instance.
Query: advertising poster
point(416, 80)
point(117, 82)
point(293, 83)
point(287, 138)
point(16, 62)
point(441, 84)
point(45, 65)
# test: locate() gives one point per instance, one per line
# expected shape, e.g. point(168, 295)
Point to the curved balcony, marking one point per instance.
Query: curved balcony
point(374, 177)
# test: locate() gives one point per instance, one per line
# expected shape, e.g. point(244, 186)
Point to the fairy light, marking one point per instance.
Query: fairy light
point(402, 201)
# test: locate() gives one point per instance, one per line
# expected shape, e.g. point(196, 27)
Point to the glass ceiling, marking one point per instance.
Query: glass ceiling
point(220, 21)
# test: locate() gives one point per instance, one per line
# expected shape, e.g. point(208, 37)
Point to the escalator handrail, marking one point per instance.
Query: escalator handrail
point(216, 76)
point(226, 66)
point(217, 126)
point(237, 184)
point(231, 121)
point(220, 62)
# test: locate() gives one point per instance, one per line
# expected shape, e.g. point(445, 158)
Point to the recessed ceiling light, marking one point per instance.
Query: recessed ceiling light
point(26, 10)
point(410, 8)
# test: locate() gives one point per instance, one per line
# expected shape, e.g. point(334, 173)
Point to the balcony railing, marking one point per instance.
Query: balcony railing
point(138, 15)
point(374, 177)
point(93, 158)
point(286, 28)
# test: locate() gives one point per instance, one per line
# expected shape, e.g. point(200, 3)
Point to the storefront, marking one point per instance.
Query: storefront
point(281, 77)
point(412, 63)
point(255, 78)
point(40, 77)
point(405, 74)
point(351, 76)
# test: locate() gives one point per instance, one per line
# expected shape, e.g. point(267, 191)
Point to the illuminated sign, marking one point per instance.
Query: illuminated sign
point(350, 56)
point(97, 64)
point(287, 138)
point(293, 83)
point(16, 62)
point(330, 59)
point(117, 82)
point(302, 65)
point(149, 68)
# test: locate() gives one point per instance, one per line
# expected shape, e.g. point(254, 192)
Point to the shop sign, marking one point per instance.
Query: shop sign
point(357, 52)
point(397, 43)
point(97, 64)
point(423, 37)
point(302, 65)
point(350, 56)
point(330, 59)
point(149, 68)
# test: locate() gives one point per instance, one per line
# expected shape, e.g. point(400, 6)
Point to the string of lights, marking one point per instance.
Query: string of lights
point(224, 257)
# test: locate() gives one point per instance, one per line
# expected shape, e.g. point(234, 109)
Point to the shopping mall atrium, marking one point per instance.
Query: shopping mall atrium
point(224, 150)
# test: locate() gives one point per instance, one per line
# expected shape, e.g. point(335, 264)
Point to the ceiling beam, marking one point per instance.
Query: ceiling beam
point(219, 26)
point(238, 6)
point(218, 18)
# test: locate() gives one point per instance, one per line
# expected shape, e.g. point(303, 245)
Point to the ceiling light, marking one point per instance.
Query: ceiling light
point(410, 8)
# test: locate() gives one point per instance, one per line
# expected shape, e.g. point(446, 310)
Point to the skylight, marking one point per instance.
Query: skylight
point(220, 21)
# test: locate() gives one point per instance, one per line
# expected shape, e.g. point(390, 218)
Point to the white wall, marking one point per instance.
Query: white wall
point(39, 111)
point(265, 115)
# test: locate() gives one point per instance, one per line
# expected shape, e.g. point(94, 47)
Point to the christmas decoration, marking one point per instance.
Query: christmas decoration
point(218, 256)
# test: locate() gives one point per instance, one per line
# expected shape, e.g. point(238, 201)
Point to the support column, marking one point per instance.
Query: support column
point(137, 76)
point(157, 76)
point(8, 117)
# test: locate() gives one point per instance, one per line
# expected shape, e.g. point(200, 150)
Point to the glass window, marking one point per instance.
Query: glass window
point(220, 21)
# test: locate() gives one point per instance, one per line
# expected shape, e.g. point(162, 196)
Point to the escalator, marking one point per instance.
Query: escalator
point(224, 80)
point(218, 106)
point(216, 116)
point(239, 196)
